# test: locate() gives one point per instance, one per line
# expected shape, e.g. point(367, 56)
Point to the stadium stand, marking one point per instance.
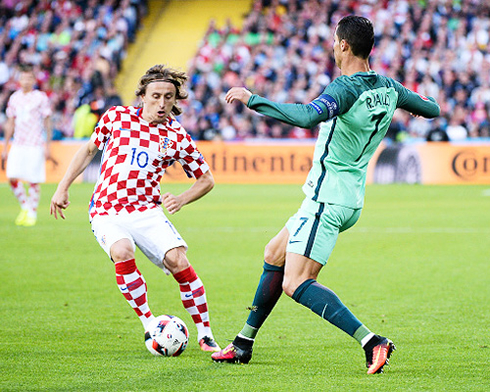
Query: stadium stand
point(76, 47)
point(171, 34)
point(281, 49)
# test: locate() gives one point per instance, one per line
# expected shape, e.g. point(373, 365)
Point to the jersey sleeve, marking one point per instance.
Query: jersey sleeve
point(103, 129)
point(342, 92)
point(11, 110)
point(337, 98)
point(416, 103)
point(306, 116)
point(191, 159)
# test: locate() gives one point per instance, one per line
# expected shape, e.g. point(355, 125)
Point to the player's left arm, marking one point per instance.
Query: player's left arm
point(307, 116)
point(194, 166)
point(417, 104)
point(203, 185)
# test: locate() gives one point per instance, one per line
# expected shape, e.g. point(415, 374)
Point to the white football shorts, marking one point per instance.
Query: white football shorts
point(149, 230)
point(27, 163)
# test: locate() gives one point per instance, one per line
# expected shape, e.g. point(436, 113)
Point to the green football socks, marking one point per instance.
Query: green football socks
point(324, 302)
point(268, 292)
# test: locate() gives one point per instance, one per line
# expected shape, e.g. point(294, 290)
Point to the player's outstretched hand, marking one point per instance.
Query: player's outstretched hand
point(59, 202)
point(172, 203)
point(238, 93)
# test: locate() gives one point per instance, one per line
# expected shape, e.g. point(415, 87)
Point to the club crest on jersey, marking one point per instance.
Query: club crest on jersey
point(165, 143)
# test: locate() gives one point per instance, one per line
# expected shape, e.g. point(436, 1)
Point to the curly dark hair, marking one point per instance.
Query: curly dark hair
point(166, 74)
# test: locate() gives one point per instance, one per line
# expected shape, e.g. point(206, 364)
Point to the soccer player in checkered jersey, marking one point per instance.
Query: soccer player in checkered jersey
point(355, 111)
point(138, 144)
point(29, 126)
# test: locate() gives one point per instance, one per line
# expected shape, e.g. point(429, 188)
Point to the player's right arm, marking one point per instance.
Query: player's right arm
point(307, 116)
point(9, 132)
point(9, 126)
point(80, 161)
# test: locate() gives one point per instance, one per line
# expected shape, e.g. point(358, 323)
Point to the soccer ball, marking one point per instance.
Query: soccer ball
point(167, 336)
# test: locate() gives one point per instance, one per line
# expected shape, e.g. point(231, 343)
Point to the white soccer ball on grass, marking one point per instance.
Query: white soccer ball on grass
point(167, 336)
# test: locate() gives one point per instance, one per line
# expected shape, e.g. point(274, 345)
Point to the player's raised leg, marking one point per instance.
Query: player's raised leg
point(301, 285)
point(193, 296)
point(267, 294)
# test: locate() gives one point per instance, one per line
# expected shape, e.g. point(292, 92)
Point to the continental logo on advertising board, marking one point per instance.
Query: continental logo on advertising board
point(289, 163)
point(471, 164)
point(253, 162)
point(433, 163)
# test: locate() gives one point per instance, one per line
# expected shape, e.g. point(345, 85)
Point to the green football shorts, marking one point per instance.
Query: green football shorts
point(314, 229)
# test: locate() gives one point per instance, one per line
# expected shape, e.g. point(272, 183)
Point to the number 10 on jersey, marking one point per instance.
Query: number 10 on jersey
point(141, 158)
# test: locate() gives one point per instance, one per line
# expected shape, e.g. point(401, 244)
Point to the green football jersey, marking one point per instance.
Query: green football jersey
point(355, 113)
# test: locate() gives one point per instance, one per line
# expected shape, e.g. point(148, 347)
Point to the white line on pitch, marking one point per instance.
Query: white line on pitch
point(387, 230)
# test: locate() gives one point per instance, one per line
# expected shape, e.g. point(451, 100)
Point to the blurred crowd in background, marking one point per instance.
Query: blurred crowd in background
point(283, 51)
point(76, 48)
point(439, 48)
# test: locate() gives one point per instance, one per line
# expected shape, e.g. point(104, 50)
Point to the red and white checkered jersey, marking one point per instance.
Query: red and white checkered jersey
point(136, 154)
point(30, 110)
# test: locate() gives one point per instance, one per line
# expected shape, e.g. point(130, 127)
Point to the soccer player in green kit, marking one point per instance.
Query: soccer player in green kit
point(355, 111)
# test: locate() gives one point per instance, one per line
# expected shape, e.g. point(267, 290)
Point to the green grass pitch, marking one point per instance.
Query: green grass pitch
point(415, 268)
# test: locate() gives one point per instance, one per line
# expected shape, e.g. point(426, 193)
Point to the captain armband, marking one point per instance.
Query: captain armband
point(325, 103)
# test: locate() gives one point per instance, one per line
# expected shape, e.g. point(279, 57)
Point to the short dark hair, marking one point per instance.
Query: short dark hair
point(358, 32)
point(27, 68)
point(160, 72)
